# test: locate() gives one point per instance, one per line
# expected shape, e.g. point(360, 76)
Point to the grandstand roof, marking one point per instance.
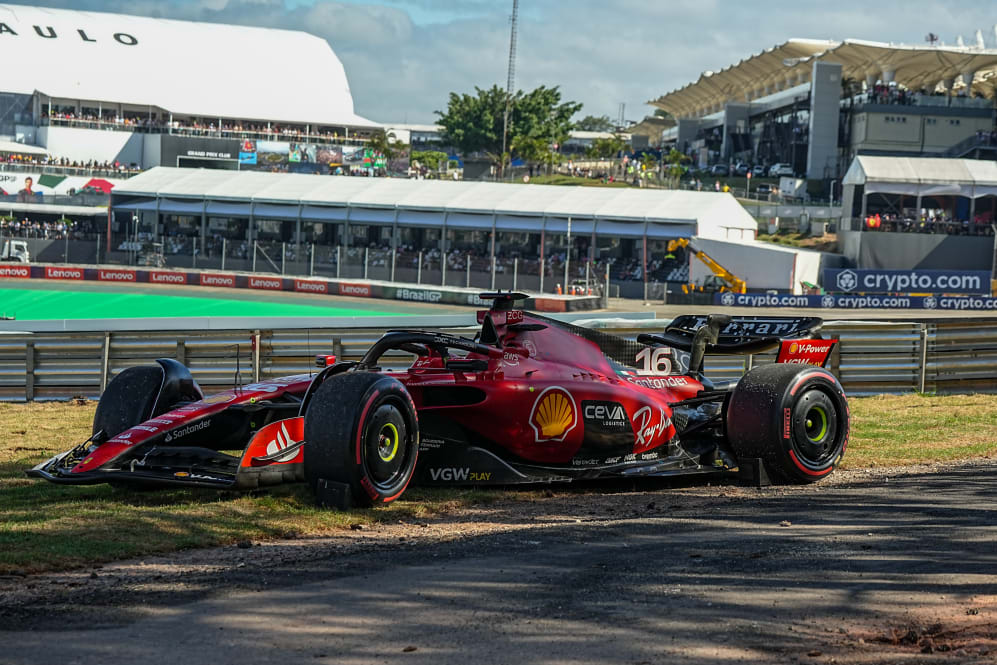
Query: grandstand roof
point(787, 64)
point(923, 175)
point(20, 148)
point(707, 214)
point(199, 69)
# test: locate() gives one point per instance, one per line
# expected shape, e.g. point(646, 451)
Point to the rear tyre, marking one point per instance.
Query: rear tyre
point(128, 400)
point(794, 417)
point(362, 430)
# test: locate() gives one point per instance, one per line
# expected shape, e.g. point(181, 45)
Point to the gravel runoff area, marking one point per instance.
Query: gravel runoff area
point(882, 565)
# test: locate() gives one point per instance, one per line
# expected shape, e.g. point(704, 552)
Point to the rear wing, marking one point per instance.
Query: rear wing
point(717, 334)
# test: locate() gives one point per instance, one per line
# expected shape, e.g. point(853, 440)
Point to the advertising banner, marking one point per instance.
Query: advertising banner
point(357, 290)
point(907, 281)
point(310, 286)
point(247, 152)
point(116, 275)
point(167, 277)
point(52, 272)
point(19, 271)
point(268, 283)
point(176, 150)
point(834, 301)
point(208, 279)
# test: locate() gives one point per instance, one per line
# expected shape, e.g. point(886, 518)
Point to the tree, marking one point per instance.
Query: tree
point(590, 123)
point(386, 144)
point(606, 148)
point(675, 166)
point(431, 159)
point(537, 119)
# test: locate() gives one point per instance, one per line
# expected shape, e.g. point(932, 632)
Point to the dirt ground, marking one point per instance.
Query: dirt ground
point(871, 566)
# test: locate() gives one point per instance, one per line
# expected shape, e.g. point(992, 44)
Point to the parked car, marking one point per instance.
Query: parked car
point(758, 171)
point(719, 169)
point(764, 189)
point(742, 169)
point(781, 169)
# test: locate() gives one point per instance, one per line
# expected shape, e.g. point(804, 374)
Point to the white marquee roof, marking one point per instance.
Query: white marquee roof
point(788, 64)
point(200, 69)
point(710, 214)
point(923, 175)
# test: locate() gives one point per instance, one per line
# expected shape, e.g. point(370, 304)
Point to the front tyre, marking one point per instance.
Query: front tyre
point(362, 430)
point(795, 417)
point(128, 400)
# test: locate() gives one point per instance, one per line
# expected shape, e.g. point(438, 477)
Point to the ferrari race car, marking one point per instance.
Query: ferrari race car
point(529, 399)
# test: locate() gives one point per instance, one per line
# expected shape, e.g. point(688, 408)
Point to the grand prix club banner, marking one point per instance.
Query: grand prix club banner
point(836, 301)
point(907, 281)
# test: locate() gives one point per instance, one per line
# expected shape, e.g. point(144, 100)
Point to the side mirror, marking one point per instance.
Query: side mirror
point(324, 361)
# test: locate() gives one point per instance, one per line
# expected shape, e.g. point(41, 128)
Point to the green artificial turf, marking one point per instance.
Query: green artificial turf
point(41, 304)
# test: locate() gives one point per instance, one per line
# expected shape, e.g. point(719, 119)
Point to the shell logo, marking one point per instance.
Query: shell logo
point(794, 347)
point(554, 415)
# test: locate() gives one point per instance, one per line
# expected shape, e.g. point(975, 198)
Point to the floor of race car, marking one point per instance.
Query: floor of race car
point(873, 566)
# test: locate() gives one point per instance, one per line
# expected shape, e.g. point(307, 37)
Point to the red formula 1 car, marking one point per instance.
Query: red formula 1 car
point(529, 399)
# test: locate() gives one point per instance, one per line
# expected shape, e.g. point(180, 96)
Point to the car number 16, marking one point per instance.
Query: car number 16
point(654, 361)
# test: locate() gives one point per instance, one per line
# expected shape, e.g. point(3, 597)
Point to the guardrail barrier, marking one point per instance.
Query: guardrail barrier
point(872, 357)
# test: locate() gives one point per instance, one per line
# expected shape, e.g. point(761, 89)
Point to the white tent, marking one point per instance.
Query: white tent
point(200, 69)
point(622, 212)
point(923, 176)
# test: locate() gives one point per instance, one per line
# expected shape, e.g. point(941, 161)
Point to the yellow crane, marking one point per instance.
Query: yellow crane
point(724, 280)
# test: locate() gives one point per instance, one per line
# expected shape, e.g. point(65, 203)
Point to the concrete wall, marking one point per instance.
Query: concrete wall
point(762, 266)
point(79, 144)
point(925, 251)
point(737, 120)
point(152, 147)
point(825, 96)
point(900, 130)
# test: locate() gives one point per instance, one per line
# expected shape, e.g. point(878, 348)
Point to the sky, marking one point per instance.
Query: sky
point(404, 57)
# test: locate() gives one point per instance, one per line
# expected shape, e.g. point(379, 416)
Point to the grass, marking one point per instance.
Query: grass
point(52, 527)
point(826, 243)
point(892, 430)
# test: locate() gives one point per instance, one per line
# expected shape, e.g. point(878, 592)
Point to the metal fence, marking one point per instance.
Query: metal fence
point(895, 357)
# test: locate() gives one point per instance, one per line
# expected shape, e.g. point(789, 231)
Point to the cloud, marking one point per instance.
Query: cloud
point(403, 57)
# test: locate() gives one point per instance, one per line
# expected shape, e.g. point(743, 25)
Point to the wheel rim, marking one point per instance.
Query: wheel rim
point(816, 424)
point(815, 436)
point(387, 444)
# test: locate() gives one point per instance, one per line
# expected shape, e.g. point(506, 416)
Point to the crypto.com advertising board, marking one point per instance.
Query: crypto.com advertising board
point(907, 281)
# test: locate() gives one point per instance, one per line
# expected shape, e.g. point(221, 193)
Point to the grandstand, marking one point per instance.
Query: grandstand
point(816, 104)
point(155, 91)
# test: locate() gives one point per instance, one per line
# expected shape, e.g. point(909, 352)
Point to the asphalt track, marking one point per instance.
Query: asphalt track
point(52, 300)
point(832, 573)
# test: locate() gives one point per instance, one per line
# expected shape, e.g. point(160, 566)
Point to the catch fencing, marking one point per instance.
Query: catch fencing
point(872, 357)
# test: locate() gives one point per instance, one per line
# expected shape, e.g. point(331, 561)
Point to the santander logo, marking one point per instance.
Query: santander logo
point(63, 273)
point(167, 277)
point(217, 280)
